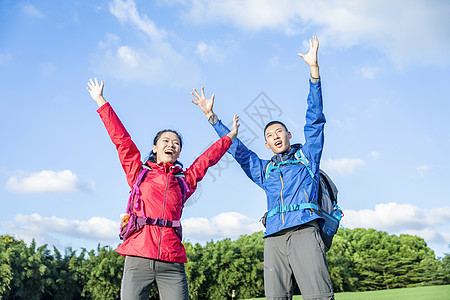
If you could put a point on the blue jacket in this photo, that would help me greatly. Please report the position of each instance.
(291, 184)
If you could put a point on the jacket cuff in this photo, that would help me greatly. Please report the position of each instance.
(104, 106)
(314, 79)
(227, 139)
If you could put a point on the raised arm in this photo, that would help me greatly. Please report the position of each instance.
(315, 119)
(249, 161)
(128, 153)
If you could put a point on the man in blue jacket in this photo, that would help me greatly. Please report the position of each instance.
(293, 245)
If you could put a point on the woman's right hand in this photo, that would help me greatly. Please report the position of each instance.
(205, 104)
(96, 91)
(234, 131)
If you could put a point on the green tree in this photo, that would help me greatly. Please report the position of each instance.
(5, 267)
(446, 269)
(195, 271)
(383, 261)
(31, 275)
(341, 264)
(247, 266)
(218, 268)
(102, 274)
(65, 277)
(226, 265)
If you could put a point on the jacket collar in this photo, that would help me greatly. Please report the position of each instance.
(166, 167)
(287, 155)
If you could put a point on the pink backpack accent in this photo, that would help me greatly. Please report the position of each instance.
(131, 223)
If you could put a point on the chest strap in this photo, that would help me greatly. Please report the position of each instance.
(291, 207)
(158, 222)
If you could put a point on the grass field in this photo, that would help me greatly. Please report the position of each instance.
(439, 292)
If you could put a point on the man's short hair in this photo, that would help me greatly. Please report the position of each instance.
(272, 123)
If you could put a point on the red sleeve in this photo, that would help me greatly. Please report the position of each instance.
(129, 155)
(209, 158)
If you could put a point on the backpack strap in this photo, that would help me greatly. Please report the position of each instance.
(270, 167)
(300, 158)
(183, 185)
(329, 186)
(136, 191)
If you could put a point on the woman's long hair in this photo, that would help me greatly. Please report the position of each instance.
(152, 155)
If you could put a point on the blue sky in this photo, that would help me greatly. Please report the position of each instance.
(385, 76)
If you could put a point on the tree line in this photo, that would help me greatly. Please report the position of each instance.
(359, 260)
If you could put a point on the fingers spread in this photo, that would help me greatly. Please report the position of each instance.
(196, 94)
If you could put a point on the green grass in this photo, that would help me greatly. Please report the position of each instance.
(438, 292)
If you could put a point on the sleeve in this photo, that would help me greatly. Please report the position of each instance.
(129, 155)
(249, 161)
(314, 126)
(207, 159)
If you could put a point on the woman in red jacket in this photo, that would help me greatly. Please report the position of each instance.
(155, 253)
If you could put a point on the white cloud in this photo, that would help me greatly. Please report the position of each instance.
(45, 229)
(402, 31)
(230, 224)
(391, 217)
(128, 56)
(126, 12)
(157, 62)
(342, 166)
(32, 11)
(53, 230)
(250, 14)
(209, 52)
(374, 154)
(369, 72)
(47, 181)
(402, 218)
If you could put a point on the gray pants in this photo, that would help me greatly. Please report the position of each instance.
(139, 274)
(301, 253)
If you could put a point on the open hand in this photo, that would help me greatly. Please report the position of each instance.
(311, 57)
(234, 131)
(96, 91)
(205, 104)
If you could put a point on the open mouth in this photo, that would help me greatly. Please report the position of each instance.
(278, 144)
(169, 152)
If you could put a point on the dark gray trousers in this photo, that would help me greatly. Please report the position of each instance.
(301, 253)
(140, 273)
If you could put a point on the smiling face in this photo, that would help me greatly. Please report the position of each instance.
(277, 138)
(167, 148)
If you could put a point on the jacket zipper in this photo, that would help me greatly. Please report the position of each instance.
(164, 206)
(282, 204)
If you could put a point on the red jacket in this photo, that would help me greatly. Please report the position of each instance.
(161, 192)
